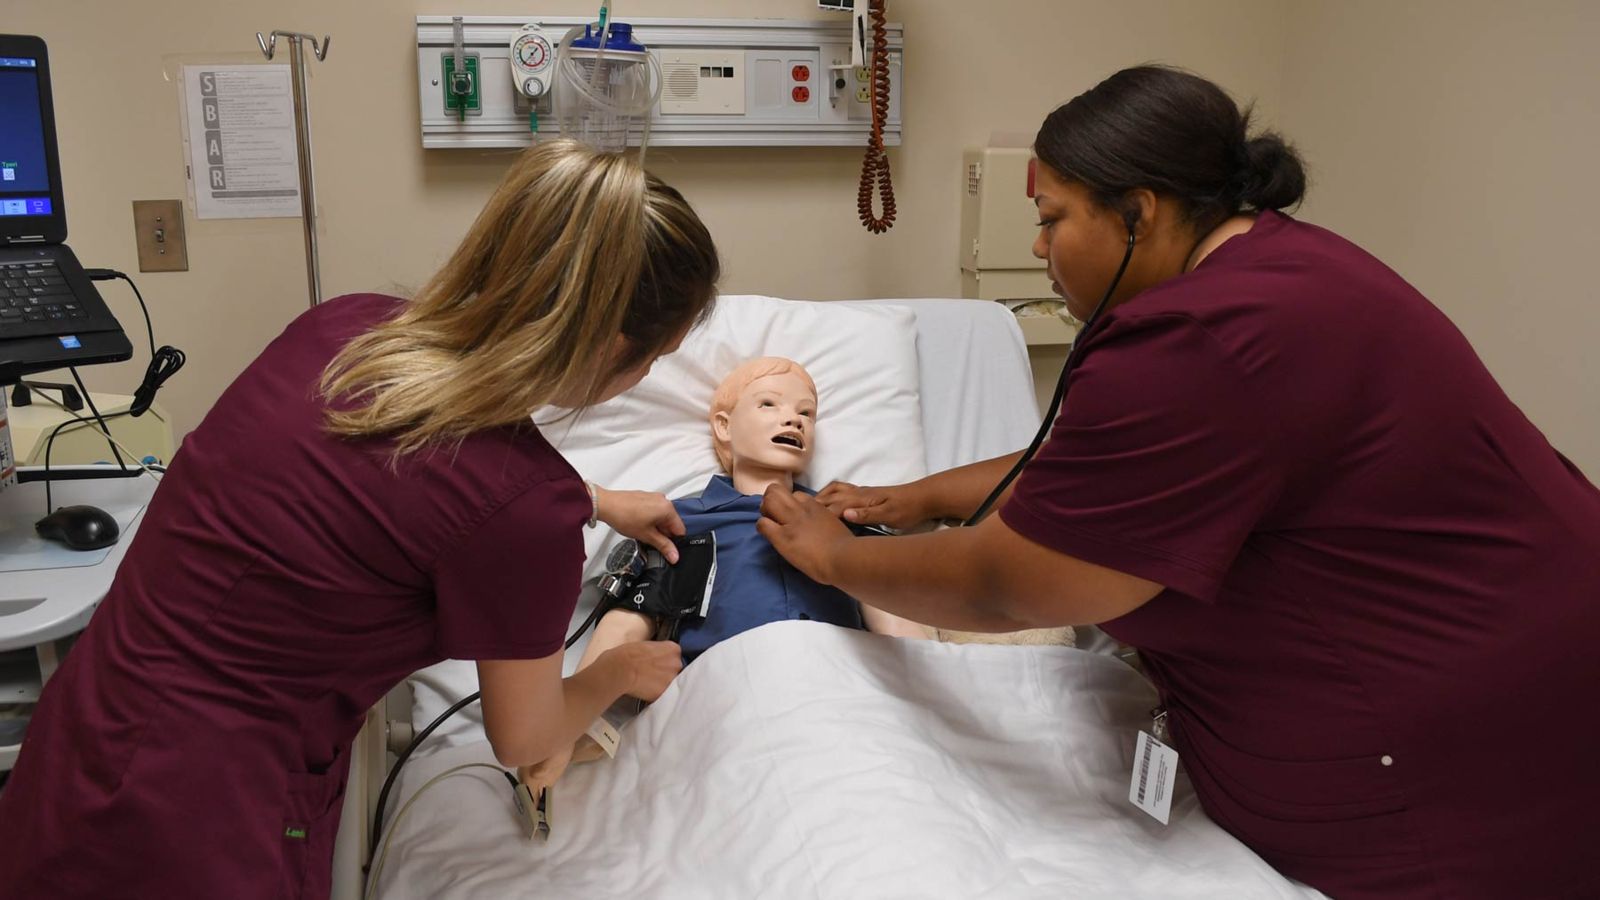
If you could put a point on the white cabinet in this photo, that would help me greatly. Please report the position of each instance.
(998, 227)
(81, 442)
(46, 602)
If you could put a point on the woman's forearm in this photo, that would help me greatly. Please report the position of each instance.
(586, 694)
(941, 578)
(525, 729)
(956, 493)
(617, 627)
(530, 712)
(984, 578)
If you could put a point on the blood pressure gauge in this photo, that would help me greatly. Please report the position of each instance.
(623, 566)
(531, 57)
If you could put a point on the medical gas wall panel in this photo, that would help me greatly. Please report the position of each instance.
(724, 82)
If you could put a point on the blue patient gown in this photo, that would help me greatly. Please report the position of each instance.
(754, 584)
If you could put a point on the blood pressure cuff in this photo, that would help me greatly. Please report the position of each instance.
(670, 593)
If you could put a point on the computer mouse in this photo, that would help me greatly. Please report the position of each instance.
(79, 527)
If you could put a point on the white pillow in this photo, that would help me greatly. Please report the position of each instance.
(657, 437)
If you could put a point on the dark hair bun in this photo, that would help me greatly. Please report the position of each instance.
(1273, 175)
(1174, 133)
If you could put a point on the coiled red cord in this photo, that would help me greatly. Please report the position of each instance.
(875, 166)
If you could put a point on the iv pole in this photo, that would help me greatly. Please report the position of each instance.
(302, 116)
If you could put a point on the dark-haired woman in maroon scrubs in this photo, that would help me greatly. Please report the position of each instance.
(1365, 585)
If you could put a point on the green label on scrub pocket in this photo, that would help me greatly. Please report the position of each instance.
(295, 832)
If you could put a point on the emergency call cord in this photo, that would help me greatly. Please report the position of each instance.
(875, 165)
(1079, 348)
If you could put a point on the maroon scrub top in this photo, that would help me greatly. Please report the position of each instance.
(1379, 643)
(195, 741)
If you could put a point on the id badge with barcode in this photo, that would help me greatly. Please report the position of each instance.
(1155, 772)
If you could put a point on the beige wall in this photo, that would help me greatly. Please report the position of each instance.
(785, 219)
(1414, 120)
(1458, 140)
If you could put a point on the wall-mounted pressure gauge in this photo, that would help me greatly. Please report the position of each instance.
(531, 57)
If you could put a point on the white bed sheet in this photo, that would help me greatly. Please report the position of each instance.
(804, 761)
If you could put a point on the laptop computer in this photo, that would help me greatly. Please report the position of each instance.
(51, 316)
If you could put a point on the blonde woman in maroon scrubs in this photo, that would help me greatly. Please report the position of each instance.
(1364, 584)
(368, 498)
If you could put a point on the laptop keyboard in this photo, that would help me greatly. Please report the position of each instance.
(35, 299)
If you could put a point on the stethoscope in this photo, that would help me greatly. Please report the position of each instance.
(1074, 358)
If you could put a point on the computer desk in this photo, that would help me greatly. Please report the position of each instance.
(41, 609)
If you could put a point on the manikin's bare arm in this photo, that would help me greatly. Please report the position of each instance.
(617, 628)
(887, 623)
(530, 711)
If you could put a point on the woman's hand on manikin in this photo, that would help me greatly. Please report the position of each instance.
(648, 666)
(803, 531)
(645, 516)
(900, 507)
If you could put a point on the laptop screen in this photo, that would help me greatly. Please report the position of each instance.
(24, 165)
(31, 207)
(50, 315)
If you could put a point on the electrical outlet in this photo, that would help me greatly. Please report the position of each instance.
(863, 74)
(158, 235)
(863, 94)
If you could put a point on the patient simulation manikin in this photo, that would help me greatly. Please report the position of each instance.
(763, 427)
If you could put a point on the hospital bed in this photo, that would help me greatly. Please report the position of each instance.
(798, 759)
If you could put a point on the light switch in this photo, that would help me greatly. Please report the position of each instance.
(158, 233)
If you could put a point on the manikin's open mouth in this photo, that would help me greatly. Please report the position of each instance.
(789, 439)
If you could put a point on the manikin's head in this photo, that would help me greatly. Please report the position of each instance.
(763, 419)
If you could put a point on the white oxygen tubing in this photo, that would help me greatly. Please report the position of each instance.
(600, 55)
(590, 92)
(133, 457)
(372, 879)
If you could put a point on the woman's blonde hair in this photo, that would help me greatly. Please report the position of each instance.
(727, 394)
(574, 248)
